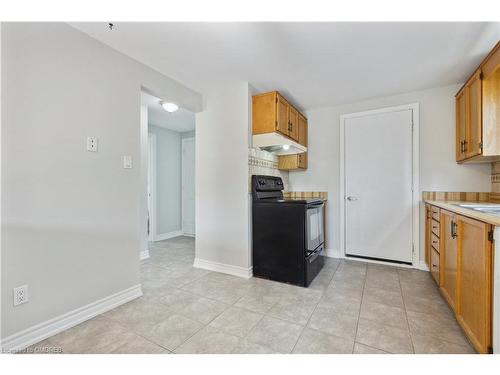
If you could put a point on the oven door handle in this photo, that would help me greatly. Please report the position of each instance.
(311, 257)
(315, 205)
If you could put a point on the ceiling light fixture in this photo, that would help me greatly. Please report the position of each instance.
(169, 107)
(286, 147)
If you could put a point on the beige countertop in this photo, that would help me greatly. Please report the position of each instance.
(482, 216)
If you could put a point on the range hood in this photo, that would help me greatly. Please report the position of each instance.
(277, 144)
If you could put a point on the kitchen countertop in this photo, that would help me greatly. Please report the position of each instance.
(481, 216)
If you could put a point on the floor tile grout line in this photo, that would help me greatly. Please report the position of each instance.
(314, 310)
(359, 313)
(406, 314)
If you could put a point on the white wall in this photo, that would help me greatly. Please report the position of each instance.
(72, 221)
(168, 180)
(438, 169)
(222, 209)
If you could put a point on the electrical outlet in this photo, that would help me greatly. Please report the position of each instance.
(92, 144)
(127, 162)
(20, 295)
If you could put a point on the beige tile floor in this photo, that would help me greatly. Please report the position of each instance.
(351, 307)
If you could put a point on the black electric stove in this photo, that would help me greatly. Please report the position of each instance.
(288, 234)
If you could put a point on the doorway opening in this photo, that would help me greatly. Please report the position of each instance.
(170, 178)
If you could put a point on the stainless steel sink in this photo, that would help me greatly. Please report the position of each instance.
(489, 209)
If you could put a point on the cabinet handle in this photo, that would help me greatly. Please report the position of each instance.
(461, 147)
(434, 242)
(453, 229)
(465, 145)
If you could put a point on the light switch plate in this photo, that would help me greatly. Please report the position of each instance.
(127, 162)
(92, 144)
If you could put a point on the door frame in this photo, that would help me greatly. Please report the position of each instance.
(414, 107)
(152, 171)
(182, 189)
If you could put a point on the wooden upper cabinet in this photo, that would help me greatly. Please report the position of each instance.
(293, 161)
(478, 113)
(294, 124)
(302, 130)
(461, 115)
(474, 140)
(271, 112)
(283, 112)
(449, 257)
(474, 293)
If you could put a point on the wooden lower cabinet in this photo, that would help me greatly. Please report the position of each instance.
(474, 282)
(462, 266)
(428, 246)
(434, 265)
(449, 257)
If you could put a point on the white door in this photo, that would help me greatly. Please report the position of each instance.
(188, 186)
(378, 186)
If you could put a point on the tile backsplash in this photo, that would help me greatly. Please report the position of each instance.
(265, 163)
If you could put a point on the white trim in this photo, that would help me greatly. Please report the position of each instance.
(182, 189)
(381, 262)
(152, 171)
(422, 266)
(337, 254)
(51, 327)
(334, 253)
(414, 107)
(166, 236)
(246, 273)
(144, 255)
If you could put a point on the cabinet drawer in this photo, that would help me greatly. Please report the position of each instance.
(435, 242)
(435, 227)
(435, 265)
(435, 211)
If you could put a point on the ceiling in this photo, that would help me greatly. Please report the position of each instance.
(313, 64)
(180, 121)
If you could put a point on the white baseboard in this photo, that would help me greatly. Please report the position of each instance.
(144, 255)
(422, 266)
(333, 253)
(246, 273)
(166, 236)
(188, 235)
(41, 331)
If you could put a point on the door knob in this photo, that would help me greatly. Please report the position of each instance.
(352, 198)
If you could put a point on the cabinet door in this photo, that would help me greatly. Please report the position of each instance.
(474, 292)
(473, 146)
(302, 130)
(294, 124)
(435, 272)
(449, 257)
(302, 160)
(282, 112)
(461, 124)
(428, 235)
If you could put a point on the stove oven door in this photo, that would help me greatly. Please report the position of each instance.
(314, 227)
